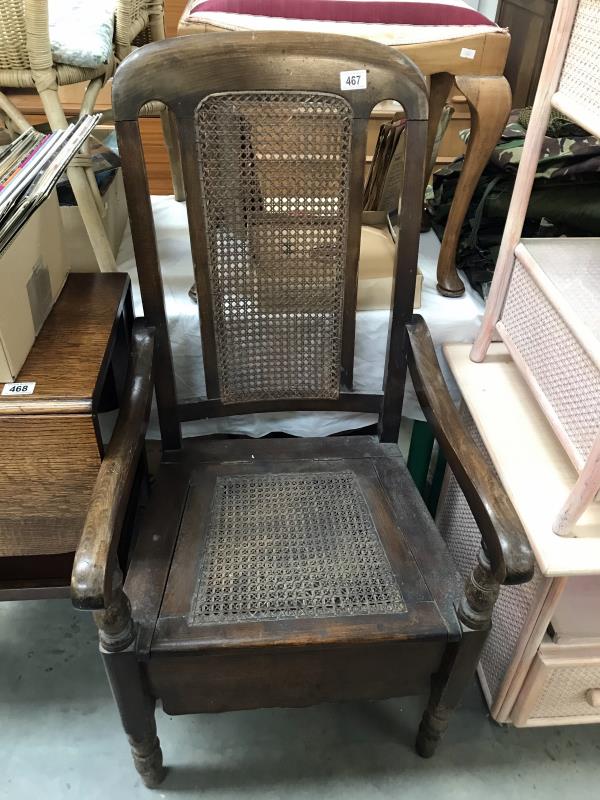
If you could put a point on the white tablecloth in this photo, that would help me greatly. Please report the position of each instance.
(449, 320)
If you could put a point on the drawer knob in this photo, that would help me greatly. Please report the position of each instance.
(593, 697)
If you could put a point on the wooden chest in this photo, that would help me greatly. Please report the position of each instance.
(52, 440)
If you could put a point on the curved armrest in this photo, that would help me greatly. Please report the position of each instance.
(91, 581)
(503, 536)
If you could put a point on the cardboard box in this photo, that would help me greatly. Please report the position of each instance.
(376, 268)
(115, 217)
(32, 273)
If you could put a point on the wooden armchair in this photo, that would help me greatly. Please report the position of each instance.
(281, 572)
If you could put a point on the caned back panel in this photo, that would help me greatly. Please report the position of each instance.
(275, 174)
(273, 154)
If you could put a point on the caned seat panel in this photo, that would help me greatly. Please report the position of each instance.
(273, 550)
(285, 545)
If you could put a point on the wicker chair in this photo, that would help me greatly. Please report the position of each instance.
(26, 61)
(139, 22)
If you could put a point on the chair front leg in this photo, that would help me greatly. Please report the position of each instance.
(12, 117)
(135, 703)
(461, 659)
(78, 179)
(489, 100)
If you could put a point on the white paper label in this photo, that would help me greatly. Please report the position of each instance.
(466, 52)
(18, 389)
(353, 80)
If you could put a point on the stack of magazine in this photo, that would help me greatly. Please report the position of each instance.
(384, 184)
(29, 169)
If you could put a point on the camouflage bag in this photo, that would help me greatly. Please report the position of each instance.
(565, 199)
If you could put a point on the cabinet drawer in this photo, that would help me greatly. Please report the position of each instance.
(562, 687)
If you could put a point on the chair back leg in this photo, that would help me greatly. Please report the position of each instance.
(172, 144)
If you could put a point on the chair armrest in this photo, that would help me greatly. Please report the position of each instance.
(93, 568)
(504, 539)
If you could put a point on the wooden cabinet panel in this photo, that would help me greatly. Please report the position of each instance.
(173, 11)
(49, 467)
(529, 23)
(50, 441)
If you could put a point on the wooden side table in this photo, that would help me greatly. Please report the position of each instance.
(52, 441)
(541, 663)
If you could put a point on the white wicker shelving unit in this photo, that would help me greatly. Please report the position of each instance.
(545, 298)
(532, 401)
(564, 595)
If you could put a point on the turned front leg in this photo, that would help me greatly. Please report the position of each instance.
(127, 681)
(461, 658)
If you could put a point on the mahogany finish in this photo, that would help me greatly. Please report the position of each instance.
(154, 641)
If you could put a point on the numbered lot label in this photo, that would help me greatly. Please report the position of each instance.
(353, 80)
(18, 389)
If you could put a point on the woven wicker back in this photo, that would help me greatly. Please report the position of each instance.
(13, 41)
(275, 173)
(131, 18)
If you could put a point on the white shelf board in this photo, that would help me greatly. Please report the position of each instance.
(531, 463)
(573, 266)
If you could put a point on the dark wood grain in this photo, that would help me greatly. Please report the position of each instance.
(222, 451)
(151, 558)
(68, 359)
(529, 23)
(153, 644)
(150, 278)
(403, 285)
(505, 540)
(246, 62)
(229, 681)
(357, 160)
(347, 401)
(49, 468)
(91, 583)
(174, 630)
(422, 536)
(251, 61)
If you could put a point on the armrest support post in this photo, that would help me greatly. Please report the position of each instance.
(481, 593)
